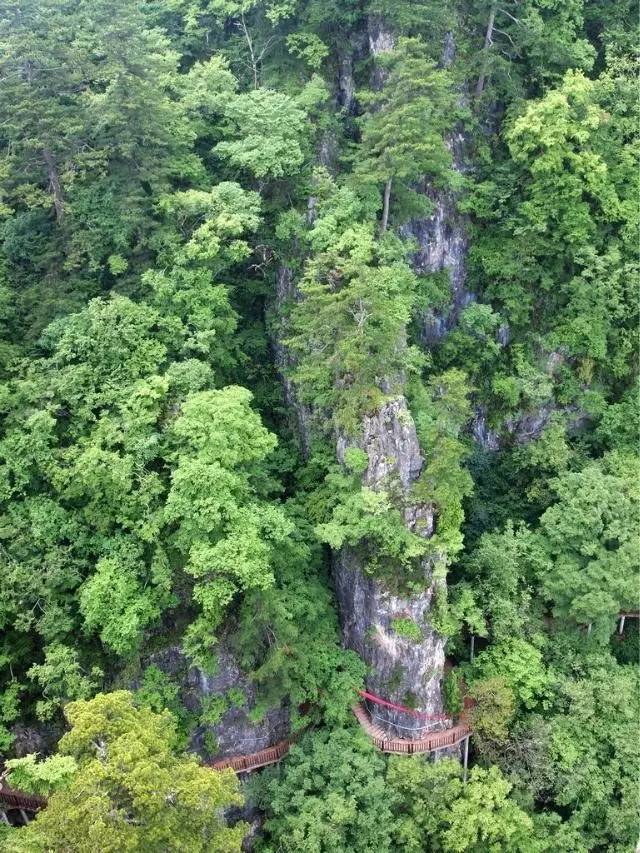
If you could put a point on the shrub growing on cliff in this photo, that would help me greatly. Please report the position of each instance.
(407, 628)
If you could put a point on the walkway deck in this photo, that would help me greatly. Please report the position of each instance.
(14, 799)
(247, 763)
(429, 743)
(18, 807)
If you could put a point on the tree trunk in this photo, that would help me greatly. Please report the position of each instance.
(488, 41)
(54, 184)
(385, 208)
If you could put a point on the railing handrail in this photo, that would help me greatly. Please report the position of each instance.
(433, 741)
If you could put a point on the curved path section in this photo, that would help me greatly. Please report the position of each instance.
(428, 743)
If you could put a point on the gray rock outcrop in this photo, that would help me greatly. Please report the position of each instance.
(442, 237)
(401, 669)
(235, 733)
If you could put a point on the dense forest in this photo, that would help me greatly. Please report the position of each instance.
(318, 375)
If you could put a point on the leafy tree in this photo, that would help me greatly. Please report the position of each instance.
(594, 756)
(288, 638)
(526, 45)
(9, 704)
(441, 413)
(590, 535)
(41, 777)
(403, 130)
(565, 220)
(372, 522)
(503, 572)
(331, 796)
(269, 129)
(119, 421)
(114, 491)
(62, 679)
(357, 300)
(422, 793)
(130, 791)
(491, 714)
(160, 692)
(95, 136)
(435, 810)
(226, 535)
(166, 168)
(484, 818)
(520, 665)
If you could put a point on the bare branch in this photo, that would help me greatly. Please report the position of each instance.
(509, 15)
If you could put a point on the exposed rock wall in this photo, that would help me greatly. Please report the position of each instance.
(381, 38)
(442, 246)
(235, 733)
(41, 739)
(528, 424)
(442, 237)
(400, 669)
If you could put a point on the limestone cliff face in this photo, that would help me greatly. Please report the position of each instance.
(400, 669)
(442, 237)
(235, 733)
(528, 424)
(381, 38)
(442, 247)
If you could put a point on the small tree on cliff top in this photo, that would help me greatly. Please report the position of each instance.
(403, 131)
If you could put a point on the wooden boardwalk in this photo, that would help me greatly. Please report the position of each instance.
(430, 742)
(17, 803)
(15, 799)
(247, 763)
(402, 746)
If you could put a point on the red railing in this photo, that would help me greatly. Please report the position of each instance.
(420, 715)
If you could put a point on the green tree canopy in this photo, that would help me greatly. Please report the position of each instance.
(403, 132)
(591, 534)
(130, 791)
(331, 797)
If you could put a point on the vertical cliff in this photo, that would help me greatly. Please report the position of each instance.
(442, 244)
(401, 669)
(232, 730)
(441, 237)
(405, 667)
(286, 293)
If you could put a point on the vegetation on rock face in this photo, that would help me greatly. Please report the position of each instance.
(165, 168)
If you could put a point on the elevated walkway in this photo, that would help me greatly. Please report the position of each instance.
(255, 760)
(17, 807)
(429, 742)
